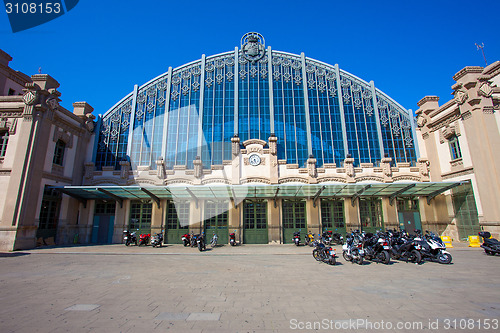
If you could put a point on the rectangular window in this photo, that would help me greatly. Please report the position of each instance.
(455, 148)
(140, 216)
(177, 215)
(4, 139)
(59, 152)
(105, 208)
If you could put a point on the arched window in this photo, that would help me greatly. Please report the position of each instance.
(4, 139)
(59, 152)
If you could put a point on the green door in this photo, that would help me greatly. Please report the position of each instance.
(294, 219)
(332, 216)
(177, 222)
(216, 217)
(370, 213)
(255, 222)
(140, 218)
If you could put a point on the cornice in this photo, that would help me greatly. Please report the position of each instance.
(15, 76)
(468, 70)
(427, 99)
(458, 173)
(443, 107)
(490, 71)
(254, 141)
(449, 118)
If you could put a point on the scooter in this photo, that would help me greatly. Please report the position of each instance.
(491, 246)
(352, 250)
(157, 240)
(186, 239)
(432, 247)
(129, 237)
(144, 239)
(296, 238)
(232, 238)
(213, 241)
(403, 247)
(309, 239)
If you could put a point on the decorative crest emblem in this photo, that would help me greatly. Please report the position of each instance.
(253, 46)
(29, 97)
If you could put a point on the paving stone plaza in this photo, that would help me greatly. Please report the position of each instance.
(249, 288)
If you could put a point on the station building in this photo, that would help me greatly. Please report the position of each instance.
(254, 140)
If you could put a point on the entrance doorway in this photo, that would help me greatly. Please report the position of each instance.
(370, 215)
(465, 209)
(140, 217)
(104, 221)
(49, 215)
(216, 218)
(294, 219)
(177, 222)
(255, 222)
(332, 216)
(409, 215)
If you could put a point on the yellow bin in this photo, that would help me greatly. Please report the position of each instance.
(474, 241)
(447, 241)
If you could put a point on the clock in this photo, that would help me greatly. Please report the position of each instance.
(254, 159)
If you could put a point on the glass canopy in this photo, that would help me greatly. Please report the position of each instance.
(241, 192)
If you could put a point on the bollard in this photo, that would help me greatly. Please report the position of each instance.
(447, 241)
(474, 241)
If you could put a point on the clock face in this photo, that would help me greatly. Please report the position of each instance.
(254, 159)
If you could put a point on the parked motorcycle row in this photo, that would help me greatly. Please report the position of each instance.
(381, 247)
(356, 247)
(192, 239)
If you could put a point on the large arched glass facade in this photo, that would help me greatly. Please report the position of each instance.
(311, 107)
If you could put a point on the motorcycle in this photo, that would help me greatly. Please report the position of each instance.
(186, 239)
(213, 241)
(232, 238)
(157, 240)
(324, 253)
(403, 247)
(309, 239)
(352, 250)
(432, 247)
(377, 248)
(193, 237)
(296, 238)
(491, 246)
(129, 237)
(144, 239)
(337, 238)
(200, 241)
(327, 237)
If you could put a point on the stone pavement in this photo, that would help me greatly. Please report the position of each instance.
(250, 288)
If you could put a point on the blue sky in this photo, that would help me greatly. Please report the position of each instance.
(410, 49)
